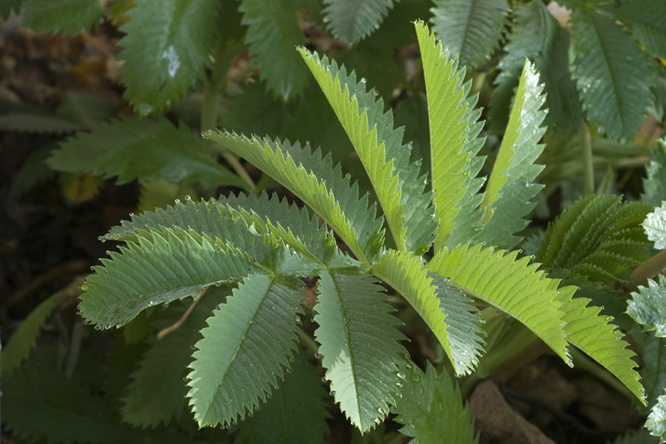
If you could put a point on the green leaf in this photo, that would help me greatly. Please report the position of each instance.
(453, 142)
(166, 50)
(470, 30)
(656, 422)
(510, 188)
(43, 404)
(653, 359)
(353, 20)
(655, 226)
(395, 180)
(7, 6)
(314, 180)
(359, 345)
(511, 285)
(27, 122)
(61, 15)
(646, 19)
(243, 351)
(273, 32)
(431, 409)
(296, 414)
(647, 306)
(122, 147)
(157, 391)
(33, 171)
(160, 268)
(654, 186)
(611, 74)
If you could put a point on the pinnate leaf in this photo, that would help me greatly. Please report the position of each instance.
(353, 20)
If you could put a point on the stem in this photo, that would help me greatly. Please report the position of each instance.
(588, 163)
(308, 342)
(74, 348)
(182, 319)
(649, 269)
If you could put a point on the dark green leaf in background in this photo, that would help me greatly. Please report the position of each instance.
(352, 20)
(61, 15)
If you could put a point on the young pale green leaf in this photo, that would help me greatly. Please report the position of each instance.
(453, 142)
(166, 50)
(510, 188)
(159, 268)
(646, 19)
(63, 15)
(322, 187)
(647, 306)
(511, 285)
(359, 345)
(248, 341)
(655, 226)
(427, 293)
(273, 32)
(395, 180)
(122, 147)
(431, 409)
(611, 74)
(353, 20)
(296, 413)
(157, 391)
(654, 186)
(656, 422)
(470, 30)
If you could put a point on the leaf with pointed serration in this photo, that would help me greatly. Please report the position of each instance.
(453, 142)
(359, 346)
(166, 50)
(68, 16)
(647, 306)
(353, 20)
(611, 74)
(593, 333)
(511, 285)
(431, 409)
(427, 293)
(157, 391)
(296, 413)
(471, 30)
(314, 180)
(654, 186)
(653, 358)
(273, 32)
(646, 19)
(655, 226)
(396, 181)
(510, 188)
(160, 267)
(43, 405)
(121, 148)
(240, 359)
(656, 421)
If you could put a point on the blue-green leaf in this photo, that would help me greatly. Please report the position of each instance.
(647, 306)
(655, 226)
(656, 422)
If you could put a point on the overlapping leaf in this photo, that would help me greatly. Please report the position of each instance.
(654, 186)
(244, 350)
(656, 422)
(395, 180)
(647, 306)
(353, 20)
(653, 358)
(611, 74)
(166, 50)
(453, 141)
(63, 15)
(646, 19)
(512, 286)
(273, 32)
(431, 409)
(655, 226)
(359, 345)
(122, 147)
(470, 30)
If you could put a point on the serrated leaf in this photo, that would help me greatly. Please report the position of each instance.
(611, 74)
(33, 171)
(470, 30)
(25, 122)
(511, 285)
(239, 360)
(43, 404)
(395, 180)
(359, 345)
(273, 32)
(655, 226)
(510, 188)
(166, 50)
(314, 180)
(453, 142)
(653, 358)
(654, 186)
(122, 147)
(656, 421)
(296, 413)
(157, 391)
(163, 267)
(7, 6)
(62, 15)
(646, 19)
(431, 409)
(647, 306)
(353, 20)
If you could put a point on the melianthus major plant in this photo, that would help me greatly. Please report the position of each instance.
(436, 239)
